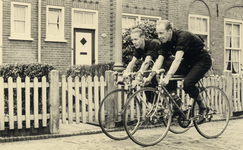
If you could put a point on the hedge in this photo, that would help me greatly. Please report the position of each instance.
(22, 70)
(86, 70)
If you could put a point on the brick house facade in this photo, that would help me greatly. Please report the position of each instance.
(66, 26)
(222, 14)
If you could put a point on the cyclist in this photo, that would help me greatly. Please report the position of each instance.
(146, 49)
(188, 49)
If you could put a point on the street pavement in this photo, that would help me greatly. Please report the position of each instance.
(231, 139)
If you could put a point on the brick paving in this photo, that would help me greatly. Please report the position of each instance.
(90, 137)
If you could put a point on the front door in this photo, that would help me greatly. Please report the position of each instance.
(83, 47)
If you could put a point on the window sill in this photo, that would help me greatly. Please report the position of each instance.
(20, 39)
(56, 40)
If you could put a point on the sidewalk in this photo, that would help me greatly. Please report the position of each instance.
(65, 130)
(79, 129)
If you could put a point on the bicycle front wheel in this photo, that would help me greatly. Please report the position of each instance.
(218, 116)
(143, 119)
(110, 119)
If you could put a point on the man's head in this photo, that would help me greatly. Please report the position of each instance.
(164, 30)
(137, 37)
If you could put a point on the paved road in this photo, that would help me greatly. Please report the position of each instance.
(231, 139)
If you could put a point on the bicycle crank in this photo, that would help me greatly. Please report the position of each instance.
(182, 121)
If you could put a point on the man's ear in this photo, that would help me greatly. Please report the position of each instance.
(143, 36)
(170, 30)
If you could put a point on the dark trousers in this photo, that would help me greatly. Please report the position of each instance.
(193, 72)
(196, 71)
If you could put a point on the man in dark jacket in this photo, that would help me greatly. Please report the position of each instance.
(188, 49)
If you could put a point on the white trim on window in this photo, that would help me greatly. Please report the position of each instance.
(233, 48)
(199, 31)
(56, 34)
(138, 18)
(201, 18)
(18, 33)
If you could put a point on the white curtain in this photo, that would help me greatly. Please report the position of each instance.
(54, 22)
(236, 42)
(88, 18)
(131, 22)
(192, 23)
(235, 60)
(204, 25)
(227, 60)
(236, 29)
(78, 17)
(19, 18)
(228, 29)
(198, 24)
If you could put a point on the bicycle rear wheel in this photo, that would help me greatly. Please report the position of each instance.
(143, 121)
(110, 119)
(218, 116)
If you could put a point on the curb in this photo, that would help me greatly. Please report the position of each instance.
(45, 136)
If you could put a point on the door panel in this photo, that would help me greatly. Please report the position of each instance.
(83, 47)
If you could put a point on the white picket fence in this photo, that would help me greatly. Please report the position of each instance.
(77, 107)
(19, 117)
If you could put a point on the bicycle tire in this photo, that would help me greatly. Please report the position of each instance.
(143, 124)
(112, 123)
(218, 116)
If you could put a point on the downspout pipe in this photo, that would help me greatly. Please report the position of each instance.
(39, 31)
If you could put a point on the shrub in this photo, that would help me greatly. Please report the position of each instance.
(127, 45)
(86, 70)
(22, 70)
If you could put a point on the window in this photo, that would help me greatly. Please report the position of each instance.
(84, 18)
(55, 24)
(232, 46)
(199, 25)
(129, 20)
(20, 21)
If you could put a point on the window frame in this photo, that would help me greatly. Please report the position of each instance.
(198, 32)
(139, 17)
(24, 36)
(238, 22)
(61, 37)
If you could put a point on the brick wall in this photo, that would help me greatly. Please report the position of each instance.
(106, 26)
(14, 50)
(178, 14)
(59, 54)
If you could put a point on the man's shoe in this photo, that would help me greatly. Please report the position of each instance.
(202, 112)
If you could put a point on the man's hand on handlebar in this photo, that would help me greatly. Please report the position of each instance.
(164, 81)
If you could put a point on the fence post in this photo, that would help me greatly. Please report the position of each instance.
(54, 101)
(229, 87)
(111, 104)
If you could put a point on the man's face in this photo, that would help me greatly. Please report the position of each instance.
(137, 40)
(163, 34)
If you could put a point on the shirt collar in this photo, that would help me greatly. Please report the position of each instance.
(173, 39)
